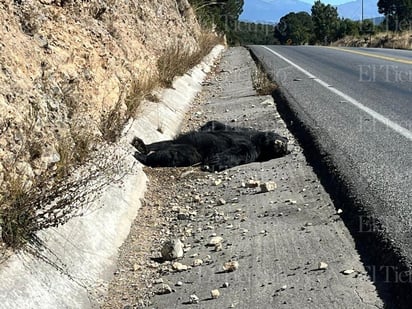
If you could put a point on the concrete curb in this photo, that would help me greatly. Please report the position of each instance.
(86, 247)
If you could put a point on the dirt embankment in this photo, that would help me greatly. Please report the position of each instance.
(66, 65)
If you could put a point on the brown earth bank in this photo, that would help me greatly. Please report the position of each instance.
(67, 71)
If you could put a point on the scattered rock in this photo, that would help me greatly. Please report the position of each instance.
(322, 265)
(215, 294)
(163, 289)
(179, 283)
(268, 186)
(284, 287)
(231, 266)
(217, 182)
(339, 211)
(158, 281)
(136, 267)
(172, 249)
(179, 266)
(214, 241)
(197, 262)
(225, 285)
(185, 215)
(348, 271)
(221, 202)
(253, 184)
(193, 299)
(218, 247)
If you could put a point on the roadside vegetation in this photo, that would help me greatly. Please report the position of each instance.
(261, 82)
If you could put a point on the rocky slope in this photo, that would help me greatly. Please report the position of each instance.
(65, 65)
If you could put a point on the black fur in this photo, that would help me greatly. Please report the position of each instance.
(216, 146)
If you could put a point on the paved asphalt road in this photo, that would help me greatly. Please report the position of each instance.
(357, 102)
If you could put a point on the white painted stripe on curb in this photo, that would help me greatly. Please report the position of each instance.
(387, 122)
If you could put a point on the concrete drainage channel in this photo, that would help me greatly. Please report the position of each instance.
(386, 267)
(81, 255)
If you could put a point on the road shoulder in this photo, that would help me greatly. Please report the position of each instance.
(287, 247)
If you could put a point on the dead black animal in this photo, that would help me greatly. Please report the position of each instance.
(215, 146)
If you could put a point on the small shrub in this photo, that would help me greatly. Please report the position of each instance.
(141, 89)
(261, 82)
(15, 215)
(65, 150)
(83, 142)
(112, 123)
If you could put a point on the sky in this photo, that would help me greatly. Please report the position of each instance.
(333, 2)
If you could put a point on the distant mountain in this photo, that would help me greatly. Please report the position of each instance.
(353, 9)
(273, 10)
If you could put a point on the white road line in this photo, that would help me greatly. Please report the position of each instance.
(387, 122)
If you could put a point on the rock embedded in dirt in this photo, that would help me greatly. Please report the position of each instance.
(172, 250)
(322, 265)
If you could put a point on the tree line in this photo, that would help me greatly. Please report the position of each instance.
(323, 25)
(222, 15)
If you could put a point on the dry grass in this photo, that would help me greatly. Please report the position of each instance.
(140, 90)
(66, 162)
(396, 40)
(112, 123)
(15, 213)
(83, 143)
(261, 82)
(177, 60)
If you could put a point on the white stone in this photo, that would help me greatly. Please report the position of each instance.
(172, 249)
